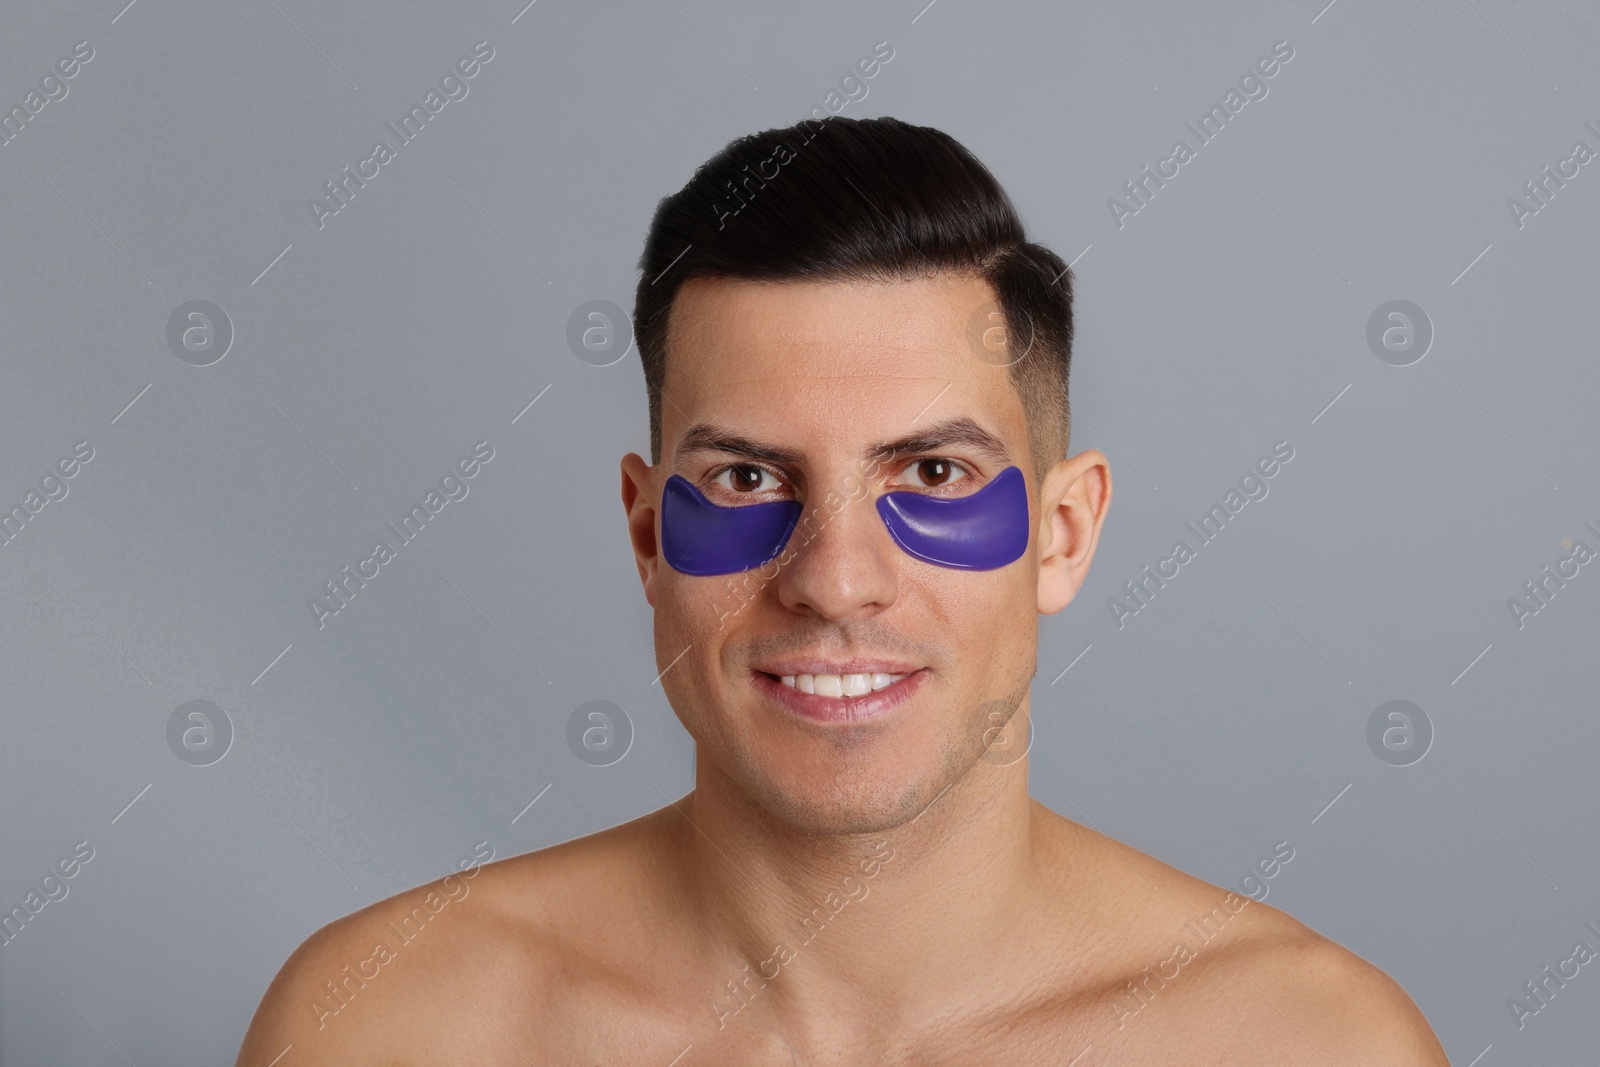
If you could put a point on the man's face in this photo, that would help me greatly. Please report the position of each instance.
(788, 391)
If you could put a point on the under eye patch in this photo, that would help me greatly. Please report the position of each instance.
(979, 532)
(701, 538)
(983, 531)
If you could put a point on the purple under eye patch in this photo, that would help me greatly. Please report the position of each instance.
(983, 531)
(980, 532)
(701, 538)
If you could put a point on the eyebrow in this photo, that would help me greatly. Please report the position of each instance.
(962, 430)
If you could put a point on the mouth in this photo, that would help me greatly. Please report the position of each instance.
(847, 696)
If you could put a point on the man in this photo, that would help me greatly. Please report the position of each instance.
(857, 506)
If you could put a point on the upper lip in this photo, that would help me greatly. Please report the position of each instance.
(796, 665)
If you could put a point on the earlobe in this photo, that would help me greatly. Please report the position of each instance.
(1073, 502)
(638, 503)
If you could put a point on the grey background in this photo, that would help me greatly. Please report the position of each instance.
(1225, 316)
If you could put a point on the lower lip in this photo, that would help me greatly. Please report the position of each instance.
(864, 708)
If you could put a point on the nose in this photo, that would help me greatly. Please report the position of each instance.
(842, 561)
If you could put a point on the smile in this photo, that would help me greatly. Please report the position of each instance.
(840, 685)
(853, 697)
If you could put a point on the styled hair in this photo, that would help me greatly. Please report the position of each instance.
(872, 199)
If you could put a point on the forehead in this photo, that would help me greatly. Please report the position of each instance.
(843, 361)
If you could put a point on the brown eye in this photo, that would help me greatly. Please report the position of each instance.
(936, 473)
(745, 479)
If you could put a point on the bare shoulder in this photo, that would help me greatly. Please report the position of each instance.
(351, 992)
(1332, 1006)
(465, 967)
(1264, 983)
(1218, 976)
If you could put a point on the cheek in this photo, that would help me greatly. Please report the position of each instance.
(682, 621)
(992, 625)
(692, 607)
(978, 609)
(688, 642)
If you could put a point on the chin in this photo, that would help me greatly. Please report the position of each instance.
(833, 819)
(859, 806)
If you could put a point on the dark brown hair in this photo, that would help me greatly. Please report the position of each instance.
(861, 199)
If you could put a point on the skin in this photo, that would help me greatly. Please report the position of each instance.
(953, 920)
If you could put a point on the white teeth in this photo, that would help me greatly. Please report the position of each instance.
(841, 685)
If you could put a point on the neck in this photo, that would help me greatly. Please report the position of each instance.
(804, 922)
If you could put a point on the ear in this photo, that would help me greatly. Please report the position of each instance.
(1073, 501)
(639, 502)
